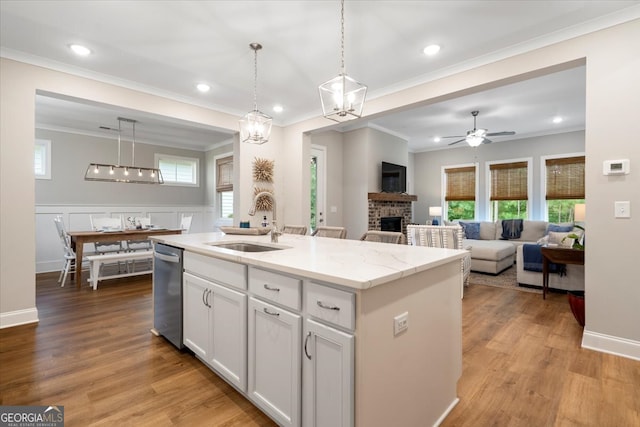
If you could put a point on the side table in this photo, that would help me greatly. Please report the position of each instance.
(558, 255)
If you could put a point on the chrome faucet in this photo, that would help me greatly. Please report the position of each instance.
(274, 225)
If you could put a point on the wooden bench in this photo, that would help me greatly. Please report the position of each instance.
(96, 262)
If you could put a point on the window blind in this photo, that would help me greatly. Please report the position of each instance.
(224, 168)
(565, 178)
(509, 181)
(461, 184)
(178, 170)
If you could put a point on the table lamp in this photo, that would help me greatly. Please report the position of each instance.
(435, 212)
(579, 210)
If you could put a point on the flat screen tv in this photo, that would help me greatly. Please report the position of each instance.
(394, 178)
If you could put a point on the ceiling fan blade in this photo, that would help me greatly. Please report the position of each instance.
(501, 133)
(455, 136)
(460, 140)
(487, 141)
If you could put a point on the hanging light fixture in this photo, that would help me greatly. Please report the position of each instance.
(255, 126)
(342, 97)
(128, 174)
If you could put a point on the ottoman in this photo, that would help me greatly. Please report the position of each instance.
(490, 256)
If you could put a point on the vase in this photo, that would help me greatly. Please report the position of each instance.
(576, 302)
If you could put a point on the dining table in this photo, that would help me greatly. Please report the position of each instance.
(79, 238)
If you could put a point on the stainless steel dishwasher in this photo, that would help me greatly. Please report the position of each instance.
(167, 293)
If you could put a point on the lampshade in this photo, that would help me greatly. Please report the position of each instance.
(579, 211)
(255, 126)
(435, 210)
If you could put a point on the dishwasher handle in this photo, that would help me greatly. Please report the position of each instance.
(167, 257)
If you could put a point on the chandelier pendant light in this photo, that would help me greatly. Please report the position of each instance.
(127, 174)
(255, 126)
(342, 97)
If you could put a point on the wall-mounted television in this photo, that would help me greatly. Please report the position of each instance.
(394, 178)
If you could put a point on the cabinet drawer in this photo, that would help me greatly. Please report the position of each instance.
(275, 287)
(331, 305)
(217, 270)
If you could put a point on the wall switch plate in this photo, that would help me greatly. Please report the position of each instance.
(401, 323)
(623, 209)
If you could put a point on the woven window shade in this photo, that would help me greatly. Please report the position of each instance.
(565, 178)
(224, 168)
(461, 184)
(509, 181)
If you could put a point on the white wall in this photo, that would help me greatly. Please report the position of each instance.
(428, 168)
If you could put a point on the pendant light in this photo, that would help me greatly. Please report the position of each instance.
(127, 174)
(342, 97)
(255, 126)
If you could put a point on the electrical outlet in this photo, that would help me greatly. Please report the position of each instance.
(623, 209)
(401, 323)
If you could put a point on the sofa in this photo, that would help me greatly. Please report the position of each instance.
(491, 253)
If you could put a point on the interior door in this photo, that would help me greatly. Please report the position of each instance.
(318, 186)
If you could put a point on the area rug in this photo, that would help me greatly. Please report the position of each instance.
(505, 280)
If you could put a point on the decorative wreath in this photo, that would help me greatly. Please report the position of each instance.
(262, 170)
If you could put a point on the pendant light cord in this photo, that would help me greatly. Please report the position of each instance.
(255, 78)
(342, 37)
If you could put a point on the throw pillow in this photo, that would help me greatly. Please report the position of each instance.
(560, 228)
(471, 230)
(556, 238)
(511, 229)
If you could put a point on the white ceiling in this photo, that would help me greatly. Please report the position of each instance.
(166, 47)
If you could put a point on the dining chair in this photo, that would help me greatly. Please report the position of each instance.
(383, 236)
(69, 254)
(327, 231)
(442, 236)
(294, 229)
(185, 223)
(108, 223)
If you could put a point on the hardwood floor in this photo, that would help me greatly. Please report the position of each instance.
(93, 353)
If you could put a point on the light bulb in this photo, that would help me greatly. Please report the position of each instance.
(153, 174)
(96, 170)
(126, 171)
(111, 171)
(139, 172)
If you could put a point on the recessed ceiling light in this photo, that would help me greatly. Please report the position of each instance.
(203, 87)
(436, 139)
(80, 50)
(431, 49)
(278, 108)
(557, 119)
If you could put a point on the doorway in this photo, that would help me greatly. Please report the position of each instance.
(318, 187)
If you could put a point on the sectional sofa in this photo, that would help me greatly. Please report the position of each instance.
(491, 253)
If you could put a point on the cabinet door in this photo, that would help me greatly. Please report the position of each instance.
(228, 340)
(274, 361)
(328, 376)
(195, 316)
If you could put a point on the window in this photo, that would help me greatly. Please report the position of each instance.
(224, 186)
(460, 192)
(564, 180)
(42, 159)
(509, 190)
(178, 170)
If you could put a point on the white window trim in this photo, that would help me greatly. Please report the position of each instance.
(47, 146)
(158, 157)
(220, 221)
(487, 177)
(543, 179)
(443, 189)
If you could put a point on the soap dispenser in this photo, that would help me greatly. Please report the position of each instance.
(265, 223)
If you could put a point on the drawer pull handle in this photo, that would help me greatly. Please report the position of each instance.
(328, 307)
(271, 313)
(269, 288)
(306, 340)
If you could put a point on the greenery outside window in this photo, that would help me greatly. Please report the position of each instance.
(509, 197)
(460, 192)
(42, 159)
(564, 179)
(224, 186)
(176, 170)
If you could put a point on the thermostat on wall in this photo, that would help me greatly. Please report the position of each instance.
(615, 167)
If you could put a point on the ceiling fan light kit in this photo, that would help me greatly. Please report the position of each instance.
(477, 136)
(342, 97)
(255, 126)
(119, 173)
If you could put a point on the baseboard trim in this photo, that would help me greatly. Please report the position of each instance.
(609, 344)
(18, 317)
(447, 411)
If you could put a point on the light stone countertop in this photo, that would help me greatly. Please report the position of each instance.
(351, 263)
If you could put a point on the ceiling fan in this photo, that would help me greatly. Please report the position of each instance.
(476, 136)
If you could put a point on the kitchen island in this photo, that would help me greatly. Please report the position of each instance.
(326, 331)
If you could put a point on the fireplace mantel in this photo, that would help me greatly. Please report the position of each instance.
(393, 197)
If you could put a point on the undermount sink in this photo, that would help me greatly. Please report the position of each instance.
(245, 247)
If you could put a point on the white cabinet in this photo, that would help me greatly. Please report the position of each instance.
(274, 361)
(328, 375)
(215, 327)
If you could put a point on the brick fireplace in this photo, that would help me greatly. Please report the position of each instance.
(389, 205)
